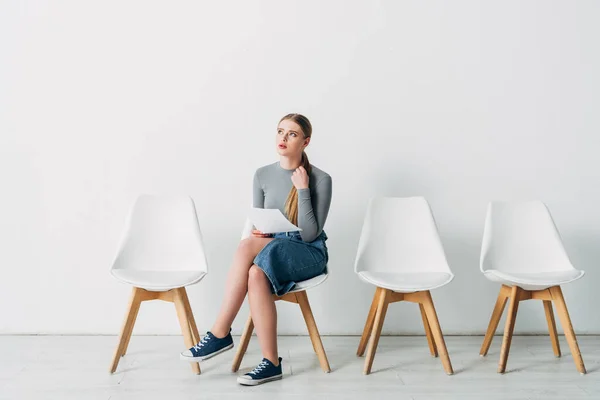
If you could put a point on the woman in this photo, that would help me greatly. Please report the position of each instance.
(265, 264)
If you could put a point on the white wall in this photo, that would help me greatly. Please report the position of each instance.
(462, 102)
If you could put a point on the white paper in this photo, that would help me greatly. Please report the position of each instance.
(269, 220)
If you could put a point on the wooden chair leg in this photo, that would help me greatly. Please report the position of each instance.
(190, 315)
(552, 327)
(132, 311)
(436, 330)
(245, 339)
(430, 340)
(312, 330)
(135, 312)
(493, 325)
(565, 321)
(184, 323)
(364, 339)
(509, 327)
(382, 305)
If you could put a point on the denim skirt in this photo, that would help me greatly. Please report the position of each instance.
(288, 259)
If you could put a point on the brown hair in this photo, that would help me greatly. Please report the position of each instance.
(291, 203)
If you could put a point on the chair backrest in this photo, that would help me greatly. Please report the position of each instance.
(522, 237)
(162, 234)
(400, 235)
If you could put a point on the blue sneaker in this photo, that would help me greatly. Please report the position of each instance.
(208, 347)
(263, 373)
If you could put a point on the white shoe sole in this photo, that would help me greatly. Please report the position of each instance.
(196, 359)
(253, 382)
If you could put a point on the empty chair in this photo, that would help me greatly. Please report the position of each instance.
(400, 252)
(160, 253)
(296, 295)
(523, 251)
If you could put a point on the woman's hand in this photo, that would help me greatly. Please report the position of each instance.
(300, 178)
(257, 233)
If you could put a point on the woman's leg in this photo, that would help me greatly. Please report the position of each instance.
(237, 283)
(264, 313)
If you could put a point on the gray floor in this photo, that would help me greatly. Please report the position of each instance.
(75, 367)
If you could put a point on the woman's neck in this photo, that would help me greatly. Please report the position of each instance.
(290, 162)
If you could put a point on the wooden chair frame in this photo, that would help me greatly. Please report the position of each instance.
(381, 300)
(516, 295)
(176, 296)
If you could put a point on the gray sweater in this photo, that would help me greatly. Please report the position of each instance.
(272, 184)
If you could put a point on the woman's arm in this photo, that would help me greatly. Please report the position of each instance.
(258, 201)
(258, 195)
(312, 219)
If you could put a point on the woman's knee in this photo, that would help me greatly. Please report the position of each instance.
(245, 244)
(246, 249)
(252, 246)
(256, 276)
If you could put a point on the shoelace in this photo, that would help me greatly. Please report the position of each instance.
(259, 368)
(201, 343)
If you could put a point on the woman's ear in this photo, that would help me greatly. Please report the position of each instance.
(306, 141)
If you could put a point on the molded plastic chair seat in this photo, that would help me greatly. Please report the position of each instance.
(158, 280)
(533, 280)
(309, 283)
(406, 282)
(522, 247)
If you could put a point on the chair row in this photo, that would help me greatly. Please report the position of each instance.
(399, 252)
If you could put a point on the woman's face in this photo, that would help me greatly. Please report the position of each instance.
(290, 140)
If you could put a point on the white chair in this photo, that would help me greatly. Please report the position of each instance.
(400, 252)
(523, 251)
(160, 253)
(298, 296)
